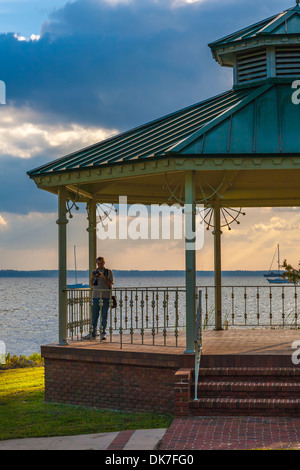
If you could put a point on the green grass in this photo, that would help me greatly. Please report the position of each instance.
(19, 362)
(24, 413)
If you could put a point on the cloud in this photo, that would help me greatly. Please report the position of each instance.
(181, 3)
(23, 227)
(34, 235)
(33, 37)
(113, 65)
(120, 64)
(3, 223)
(96, 67)
(252, 244)
(28, 140)
(23, 135)
(276, 224)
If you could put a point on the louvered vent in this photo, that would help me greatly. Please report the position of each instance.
(288, 62)
(252, 66)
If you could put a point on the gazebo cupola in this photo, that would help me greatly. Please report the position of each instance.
(266, 51)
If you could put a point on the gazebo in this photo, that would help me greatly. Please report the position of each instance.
(238, 149)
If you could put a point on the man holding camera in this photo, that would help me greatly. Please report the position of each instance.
(101, 281)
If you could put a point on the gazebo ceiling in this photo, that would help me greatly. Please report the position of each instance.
(269, 183)
(244, 145)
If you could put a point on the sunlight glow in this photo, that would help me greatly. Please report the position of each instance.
(3, 222)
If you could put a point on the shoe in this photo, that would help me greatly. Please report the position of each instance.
(88, 336)
(103, 336)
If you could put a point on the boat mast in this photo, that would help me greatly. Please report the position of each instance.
(278, 258)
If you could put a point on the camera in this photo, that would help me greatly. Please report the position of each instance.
(96, 277)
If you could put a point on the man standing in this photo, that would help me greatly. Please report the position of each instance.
(101, 281)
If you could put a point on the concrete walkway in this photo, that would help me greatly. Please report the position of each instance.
(124, 440)
(199, 433)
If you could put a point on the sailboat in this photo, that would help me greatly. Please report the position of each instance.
(273, 276)
(76, 285)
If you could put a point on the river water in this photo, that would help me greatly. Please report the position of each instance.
(29, 306)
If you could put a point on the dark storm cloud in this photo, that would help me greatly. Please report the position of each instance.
(120, 66)
(18, 194)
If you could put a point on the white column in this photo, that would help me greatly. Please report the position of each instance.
(62, 265)
(92, 231)
(190, 256)
(218, 267)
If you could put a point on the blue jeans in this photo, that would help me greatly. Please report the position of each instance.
(96, 312)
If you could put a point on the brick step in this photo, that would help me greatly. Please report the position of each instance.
(243, 374)
(248, 389)
(247, 406)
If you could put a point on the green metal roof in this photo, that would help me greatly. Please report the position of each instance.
(284, 23)
(149, 140)
(253, 121)
(266, 122)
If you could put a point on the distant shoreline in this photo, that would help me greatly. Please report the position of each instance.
(123, 273)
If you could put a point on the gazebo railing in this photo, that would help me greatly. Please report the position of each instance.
(145, 315)
(155, 315)
(254, 306)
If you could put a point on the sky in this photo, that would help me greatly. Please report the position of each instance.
(77, 72)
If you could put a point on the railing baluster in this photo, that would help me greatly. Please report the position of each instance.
(142, 312)
(296, 307)
(258, 305)
(109, 318)
(153, 317)
(147, 311)
(167, 300)
(176, 317)
(232, 305)
(126, 309)
(271, 296)
(121, 320)
(283, 310)
(70, 314)
(165, 320)
(81, 314)
(245, 313)
(157, 312)
(100, 317)
(131, 318)
(206, 305)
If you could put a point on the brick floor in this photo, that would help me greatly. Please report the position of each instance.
(234, 341)
(120, 440)
(232, 433)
